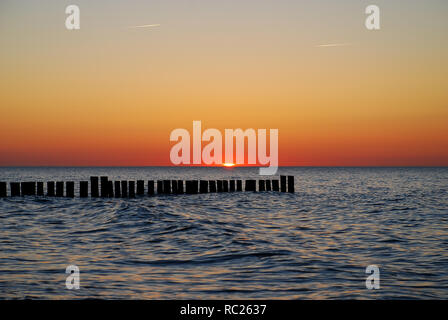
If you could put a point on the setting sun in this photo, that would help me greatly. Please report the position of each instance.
(228, 164)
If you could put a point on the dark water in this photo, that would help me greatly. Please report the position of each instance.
(315, 243)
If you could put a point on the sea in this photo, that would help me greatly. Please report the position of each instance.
(316, 243)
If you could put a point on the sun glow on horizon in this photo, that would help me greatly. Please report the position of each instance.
(228, 165)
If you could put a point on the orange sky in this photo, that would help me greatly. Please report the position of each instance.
(111, 95)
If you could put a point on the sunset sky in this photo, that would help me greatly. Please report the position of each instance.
(110, 94)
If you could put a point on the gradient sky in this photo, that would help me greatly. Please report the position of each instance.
(109, 94)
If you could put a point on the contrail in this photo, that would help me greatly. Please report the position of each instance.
(145, 26)
(333, 45)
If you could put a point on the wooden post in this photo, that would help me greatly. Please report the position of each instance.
(188, 187)
(291, 184)
(192, 186)
(232, 186)
(131, 189)
(124, 189)
(117, 189)
(251, 185)
(167, 186)
(261, 185)
(151, 187)
(195, 184)
(94, 193)
(283, 183)
(110, 189)
(50, 189)
(83, 189)
(220, 185)
(59, 188)
(174, 186)
(140, 187)
(225, 186)
(159, 186)
(70, 189)
(23, 191)
(104, 187)
(3, 191)
(212, 184)
(15, 189)
(268, 185)
(203, 186)
(180, 186)
(40, 188)
(32, 186)
(275, 185)
(239, 185)
(28, 188)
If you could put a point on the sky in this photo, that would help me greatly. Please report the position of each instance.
(110, 93)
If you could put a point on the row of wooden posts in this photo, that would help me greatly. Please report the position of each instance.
(126, 189)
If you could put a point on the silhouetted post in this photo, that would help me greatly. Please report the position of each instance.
(268, 185)
(140, 187)
(151, 187)
(239, 185)
(28, 188)
(124, 189)
(192, 186)
(50, 189)
(84, 189)
(195, 186)
(203, 186)
(251, 185)
(131, 189)
(70, 189)
(94, 193)
(212, 184)
(232, 186)
(117, 189)
(167, 186)
(15, 189)
(23, 190)
(40, 188)
(275, 185)
(220, 185)
(188, 187)
(291, 184)
(261, 185)
(159, 186)
(3, 191)
(283, 183)
(32, 186)
(104, 187)
(225, 186)
(59, 188)
(110, 189)
(180, 186)
(174, 186)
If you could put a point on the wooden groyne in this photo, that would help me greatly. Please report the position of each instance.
(102, 187)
